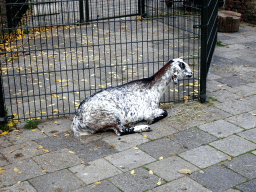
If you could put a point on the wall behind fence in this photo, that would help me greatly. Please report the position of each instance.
(64, 51)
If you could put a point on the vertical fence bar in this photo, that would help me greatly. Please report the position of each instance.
(86, 10)
(81, 10)
(2, 103)
(208, 41)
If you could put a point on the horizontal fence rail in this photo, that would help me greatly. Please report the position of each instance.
(64, 51)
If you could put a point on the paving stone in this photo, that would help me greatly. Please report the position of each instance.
(254, 152)
(245, 120)
(129, 159)
(244, 164)
(62, 181)
(140, 181)
(224, 95)
(103, 187)
(51, 127)
(231, 190)
(192, 138)
(233, 81)
(243, 91)
(213, 113)
(215, 85)
(4, 142)
(95, 171)
(249, 134)
(249, 186)
(233, 145)
(28, 168)
(181, 185)
(24, 135)
(126, 141)
(217, 178)
(235, 106)
(162, 148)
(23, 186)
(3, 160)
(220, 128)
(57, 160)
(203, 156)
(21, 151)
(87, 151)
(168, 168)
(160, 129)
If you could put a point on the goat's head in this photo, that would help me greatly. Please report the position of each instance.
(180, 70)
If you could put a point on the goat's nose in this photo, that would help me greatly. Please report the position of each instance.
(189, 75)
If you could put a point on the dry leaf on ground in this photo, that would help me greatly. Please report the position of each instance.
(1, 171)
(185, 171)
(16, 170)
(161, 158)
(132, 172)
(150, 172)
(97, 182)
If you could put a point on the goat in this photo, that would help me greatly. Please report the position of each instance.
(116, 107)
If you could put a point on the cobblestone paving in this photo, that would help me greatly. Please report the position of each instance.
(214, 142)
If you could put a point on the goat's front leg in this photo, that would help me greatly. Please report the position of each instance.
(157, 115)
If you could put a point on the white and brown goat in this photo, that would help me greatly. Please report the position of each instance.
(116, 107)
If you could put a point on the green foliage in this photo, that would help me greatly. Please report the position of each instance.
(4, 127)
(219, 43)
(32, 124)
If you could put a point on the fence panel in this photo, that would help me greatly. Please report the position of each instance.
(52, 61)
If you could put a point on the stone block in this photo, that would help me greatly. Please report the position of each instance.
(95, 171)
(220, 128)
(204, 156)
(233, 145)
(217, 178)
(162, 148)
(141, 180)
(129, 159)
(63, 181)
(168, 168)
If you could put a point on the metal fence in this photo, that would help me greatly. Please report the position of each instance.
(63, 51)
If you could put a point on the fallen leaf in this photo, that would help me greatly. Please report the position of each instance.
(66, 135)
(145, 136)
(65, 85)
(112, 146)
(4, 133)
(42, 131)
(10, 124)
(186, 97)
(1, 171)
(229, 158)
(246, 65)
(71, 152)
(185, 171)
(135, 148)
(18, 182)
(254, 114)
(16, 170)
(55, 135)
(40, 147)
(132, 172)
(150, 172)
(97, 182)
(43, 171)
(33, 130)
(159, 183)
(56, 122)
(45, 150)
(161, 158)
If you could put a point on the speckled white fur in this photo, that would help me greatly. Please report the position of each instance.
(135, 101)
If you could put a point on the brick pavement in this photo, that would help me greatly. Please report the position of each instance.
(216, 141)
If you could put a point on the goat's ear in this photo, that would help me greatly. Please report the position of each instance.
(182, 65)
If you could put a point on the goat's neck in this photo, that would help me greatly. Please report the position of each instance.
(163, 77)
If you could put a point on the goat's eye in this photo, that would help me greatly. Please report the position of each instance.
(182, 65)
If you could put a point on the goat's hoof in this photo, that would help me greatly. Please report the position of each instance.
(141, 128)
